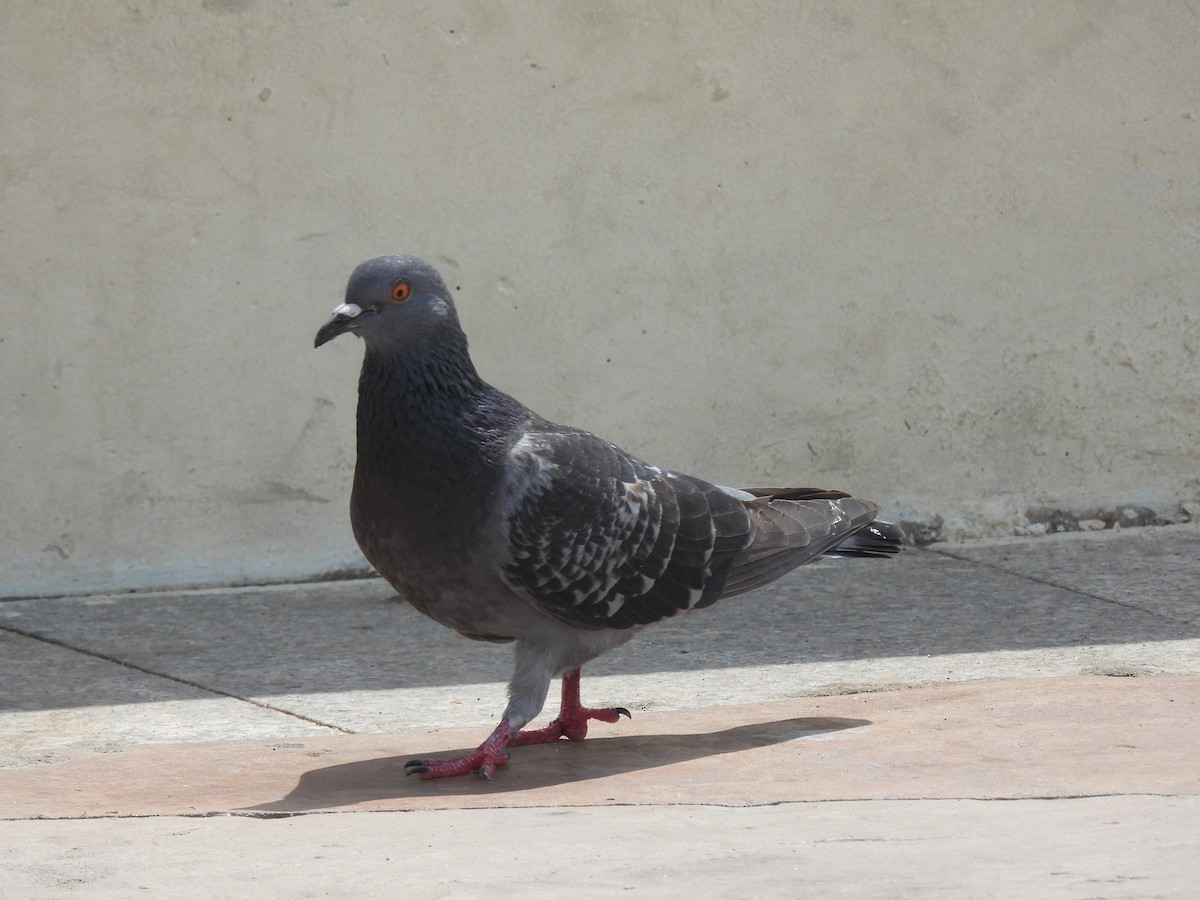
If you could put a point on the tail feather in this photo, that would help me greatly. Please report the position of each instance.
(789, 533)
(878, 540)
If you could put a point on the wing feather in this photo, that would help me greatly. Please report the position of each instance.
(599, 539)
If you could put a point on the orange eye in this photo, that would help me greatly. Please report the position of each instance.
(400, 291)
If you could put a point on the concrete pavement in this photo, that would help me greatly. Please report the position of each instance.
(998, 718)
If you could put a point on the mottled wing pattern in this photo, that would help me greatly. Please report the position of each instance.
(599, 539)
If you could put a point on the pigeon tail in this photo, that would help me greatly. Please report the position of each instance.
(792, 532)
(879, 540)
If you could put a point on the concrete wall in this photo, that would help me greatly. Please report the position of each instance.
(944, 255)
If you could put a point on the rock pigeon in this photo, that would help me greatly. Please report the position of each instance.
(506, 527)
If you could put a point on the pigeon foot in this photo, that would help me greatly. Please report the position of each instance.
(573, 727)
(571, 723)
(572, 719)
(486, 759)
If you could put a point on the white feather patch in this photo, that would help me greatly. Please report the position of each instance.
(736, 492)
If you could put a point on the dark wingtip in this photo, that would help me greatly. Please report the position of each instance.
(878, 540)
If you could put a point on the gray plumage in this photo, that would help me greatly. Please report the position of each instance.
(507, 527)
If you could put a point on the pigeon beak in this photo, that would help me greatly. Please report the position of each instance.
(341, 321)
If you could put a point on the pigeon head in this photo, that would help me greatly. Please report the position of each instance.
(392, 301)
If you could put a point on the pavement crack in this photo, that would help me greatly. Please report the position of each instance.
(1047, 582)
(146, 670)
(268, 815)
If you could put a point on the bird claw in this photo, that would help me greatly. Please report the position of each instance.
(485, 761)
(430, 769)
(608, 714)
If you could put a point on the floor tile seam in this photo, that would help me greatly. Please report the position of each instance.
(177, 679)
(157, 593)
(1046, 582)
(484, 807)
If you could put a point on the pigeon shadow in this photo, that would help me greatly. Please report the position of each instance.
(539, 765)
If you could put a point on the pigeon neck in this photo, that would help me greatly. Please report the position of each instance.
(428, 425)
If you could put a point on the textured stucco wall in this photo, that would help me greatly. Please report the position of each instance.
(944, 255)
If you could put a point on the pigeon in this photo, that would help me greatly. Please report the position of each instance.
(506, 527)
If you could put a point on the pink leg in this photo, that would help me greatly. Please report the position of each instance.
(572, 717)
(490, 755)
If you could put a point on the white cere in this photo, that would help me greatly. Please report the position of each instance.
(349, 310)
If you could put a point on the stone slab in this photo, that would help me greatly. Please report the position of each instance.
(1098, 847)
(1049, 737)
(54, 700)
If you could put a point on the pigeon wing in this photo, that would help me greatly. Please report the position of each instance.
(599, 539)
